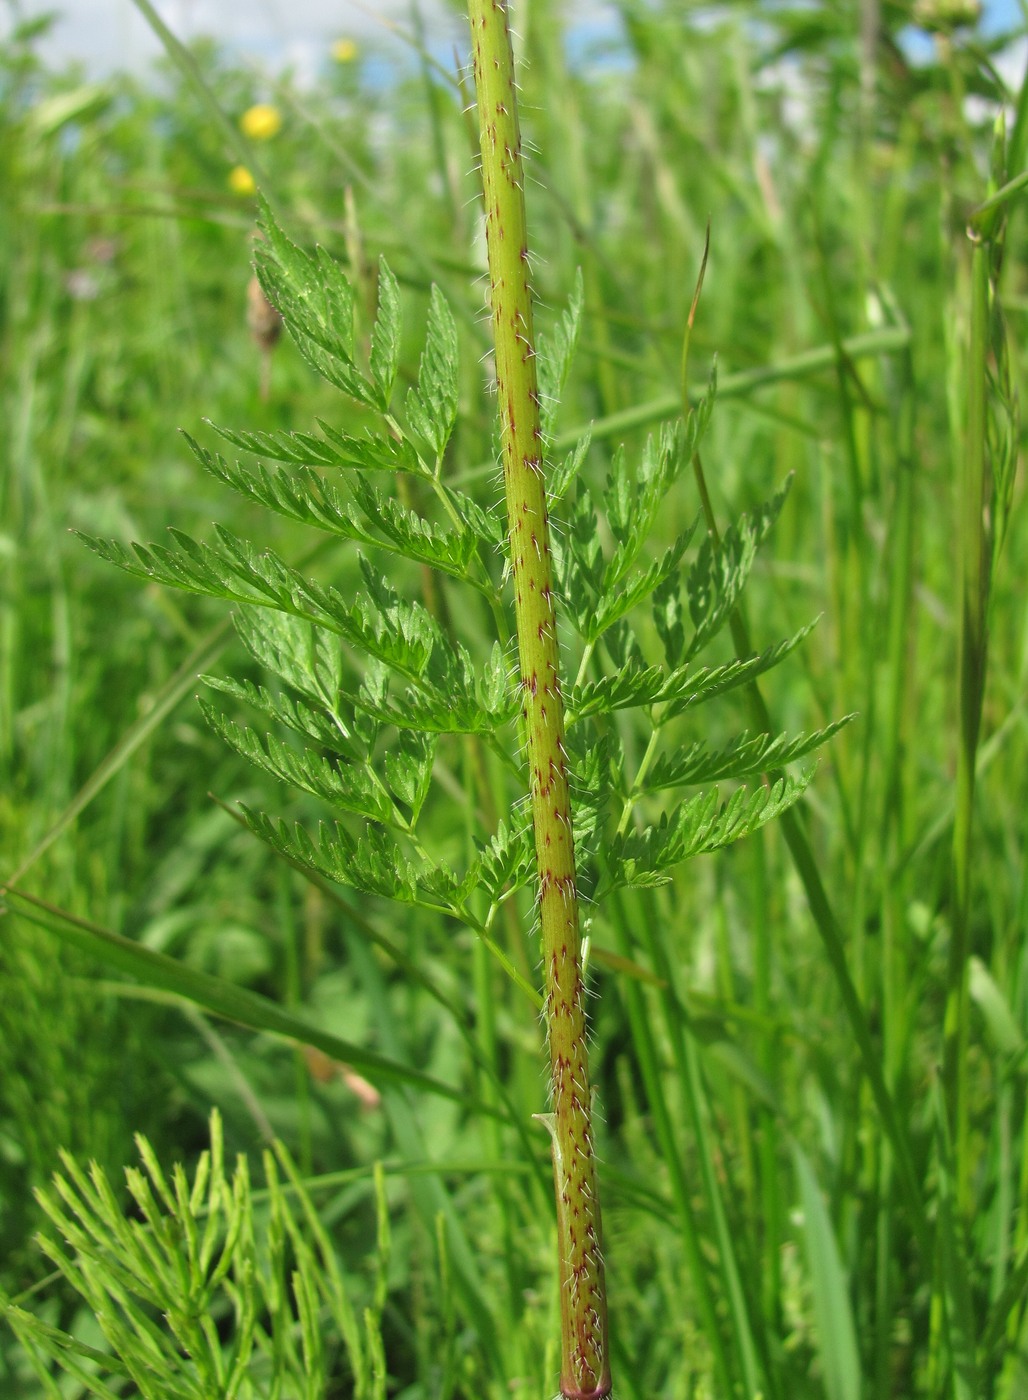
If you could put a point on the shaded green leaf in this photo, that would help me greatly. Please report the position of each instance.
(306, 657)
(619, 599)
(372, 863)
(999, 1019)
(561, 475)
(285, 710)
(408, 768)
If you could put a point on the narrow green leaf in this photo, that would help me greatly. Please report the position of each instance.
(836, 1335)
(220, 997)
(170, 694)
(953, 1281)
(1000, 1021)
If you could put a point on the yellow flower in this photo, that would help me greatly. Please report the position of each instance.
(262, 122)
(344, 50)
(241, 181)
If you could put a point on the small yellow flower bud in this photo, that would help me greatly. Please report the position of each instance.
(240, 180)
(344, 51)
(262, 122)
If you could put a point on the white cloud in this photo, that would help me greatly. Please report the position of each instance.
(105, 35)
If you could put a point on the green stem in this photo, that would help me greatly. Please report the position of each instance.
(973, 585)
(585, 1362)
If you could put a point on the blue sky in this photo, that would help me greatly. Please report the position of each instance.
(109, 34)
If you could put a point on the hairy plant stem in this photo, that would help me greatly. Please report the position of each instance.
(585, 1364)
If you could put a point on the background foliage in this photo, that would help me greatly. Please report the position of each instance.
(754, 1227)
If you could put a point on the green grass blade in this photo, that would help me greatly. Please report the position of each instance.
(219, 996)
(836, 1332)
(175, 688)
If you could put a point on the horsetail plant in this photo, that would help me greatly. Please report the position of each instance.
(370, 693)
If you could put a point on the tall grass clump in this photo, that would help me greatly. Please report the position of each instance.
(404, 919)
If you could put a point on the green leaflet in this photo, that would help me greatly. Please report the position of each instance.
(696, 826)
(561, 474)
(554, 355)
(384, 358)
(348, 718)
(507, 862)
(621, 596)
(302, 494)
(715, 581)
(631, 505)
(432, 405)
(637, 684)
(373, 863)
(377, 623)
(744, 756)
(335, 449)
(316, 302)
(597, 592)
(286, 711)
(408, 768)
(305, 657)
(350, 786)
